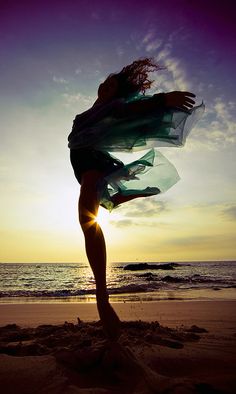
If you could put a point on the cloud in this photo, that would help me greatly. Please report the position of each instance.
(164, 53)
(120, 50)
(153, 45)
(216, 129)
(150, 212)
(150, 41)
(146, 208)
(176, 68)
(148, 36)
(80, 99)
(176, 77)
(143, 213)
(122, 223)
(178, 34)
(220, 210)
(208, 243)
(59, 80)
(144, 222)
(224, 115)
(78, 71)
(229, 212)
(189, 240)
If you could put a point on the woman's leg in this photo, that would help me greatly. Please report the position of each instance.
(96, 249)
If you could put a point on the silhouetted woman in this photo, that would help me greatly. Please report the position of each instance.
(123, 119)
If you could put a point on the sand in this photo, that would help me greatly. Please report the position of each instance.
(165, 347)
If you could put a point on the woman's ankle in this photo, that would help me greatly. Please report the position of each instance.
(102, 297)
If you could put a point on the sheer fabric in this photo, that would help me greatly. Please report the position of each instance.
(110, 128)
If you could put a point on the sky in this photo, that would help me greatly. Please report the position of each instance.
(54, 55)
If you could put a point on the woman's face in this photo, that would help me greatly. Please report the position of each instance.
(108, 89)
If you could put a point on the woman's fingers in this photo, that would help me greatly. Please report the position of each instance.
(182, 107)
(190, 101)
(188, 104)
(181, 100)
(185, 107)
(189, 94)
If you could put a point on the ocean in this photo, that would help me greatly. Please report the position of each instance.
(74, 282)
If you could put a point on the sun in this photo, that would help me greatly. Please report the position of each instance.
(103, 217)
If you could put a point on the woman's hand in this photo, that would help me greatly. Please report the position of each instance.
(179, 100)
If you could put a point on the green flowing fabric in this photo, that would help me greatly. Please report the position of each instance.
(101, 129)
(136, 177)
(111, 128)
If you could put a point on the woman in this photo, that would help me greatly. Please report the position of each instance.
(122, 119)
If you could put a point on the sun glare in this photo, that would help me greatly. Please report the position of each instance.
(103, 217)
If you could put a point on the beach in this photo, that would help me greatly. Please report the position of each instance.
(165, 346)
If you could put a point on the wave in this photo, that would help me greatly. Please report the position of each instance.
(130, 288)
(199, 279)
(47, 293)
(196, 278)
(167, 283)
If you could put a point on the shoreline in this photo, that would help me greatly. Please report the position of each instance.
(183, 295)
(172, 313)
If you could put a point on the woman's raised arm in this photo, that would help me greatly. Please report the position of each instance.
(180, 100)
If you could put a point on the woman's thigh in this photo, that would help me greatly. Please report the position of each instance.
(89, 196)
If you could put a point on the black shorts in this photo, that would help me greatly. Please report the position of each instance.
(83, 160)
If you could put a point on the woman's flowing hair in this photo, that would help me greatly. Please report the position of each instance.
(134, 77)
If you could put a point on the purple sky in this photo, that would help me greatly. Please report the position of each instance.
(41, 38)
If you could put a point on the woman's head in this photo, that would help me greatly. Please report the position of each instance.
(108, 89)
(130, 80)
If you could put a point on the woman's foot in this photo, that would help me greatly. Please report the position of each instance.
(128, 195)
(149, 191)
(110, 320)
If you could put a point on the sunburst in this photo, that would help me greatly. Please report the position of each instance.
(103, 217)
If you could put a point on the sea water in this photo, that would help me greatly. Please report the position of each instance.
(74, 282)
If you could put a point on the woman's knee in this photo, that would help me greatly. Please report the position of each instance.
(88, 209)
(86, 218)
(89, 199)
